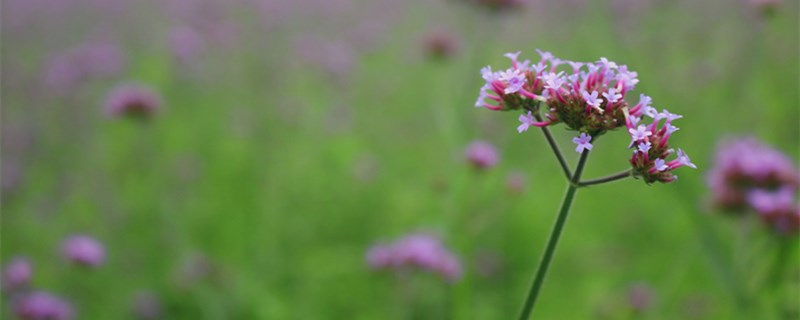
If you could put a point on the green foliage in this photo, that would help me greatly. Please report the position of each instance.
(281, 175)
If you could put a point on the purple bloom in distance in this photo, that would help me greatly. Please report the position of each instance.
(83, 250)
(17, 274)
(421, 251)
(41, 306)
(133, 100)
(482, 154)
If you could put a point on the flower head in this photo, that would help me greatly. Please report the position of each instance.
(83, 250)
(482, 155)
(146, 305)
(42, 305)
(742, 165)
(132, 100)
(589, 98)
(17, 274)
(416, 251)
(440, 45)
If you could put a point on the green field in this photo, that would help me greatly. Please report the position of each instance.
(299, 134)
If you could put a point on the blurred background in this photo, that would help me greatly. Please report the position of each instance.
(244, 159)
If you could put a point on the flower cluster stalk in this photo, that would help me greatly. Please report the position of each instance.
(589, 98)
(530, 301)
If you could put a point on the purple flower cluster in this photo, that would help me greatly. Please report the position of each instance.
(588, 97)
(17, 274)
(420, 251)
(649, 143)
(41, 306)
(132, 100)
(83, 250)
(440, 45)
(481, 154)
(751, 175)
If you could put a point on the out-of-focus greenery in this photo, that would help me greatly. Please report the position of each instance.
(258, 188)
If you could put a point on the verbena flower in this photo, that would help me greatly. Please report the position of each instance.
(640, 297)
(482, 154)
(83, 250)
(588, 97)
(515, 182)
(17, 274)
(132, 100)
(146, 305)
(440, 44)
(744, 164)
(41, 306)
(416, 251)
(750, 176)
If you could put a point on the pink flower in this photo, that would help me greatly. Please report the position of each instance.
(416, 251)
(41, 306)
(83, 250)
(482, 155)
(17, 274)
(146, 305)
(744, 164)
(132, 100)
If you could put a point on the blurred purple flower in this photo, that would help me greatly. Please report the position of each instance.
(42, 306)
(17, 274)
(83, 250)
(488, 263)
(132, 100)
(744, 164)
(777, 208)
(146, 305)
(440, 45)
(640, 297)
(515, 182)
(421, 251)
(186, 43)
(482, 154)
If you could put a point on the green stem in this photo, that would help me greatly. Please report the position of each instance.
(530, 301)
(613, 177)
(555, 148)
(724, 266)
(773, 283)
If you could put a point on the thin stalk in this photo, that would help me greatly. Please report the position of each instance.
(556, 150)
(530, 301)
(613, 177)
